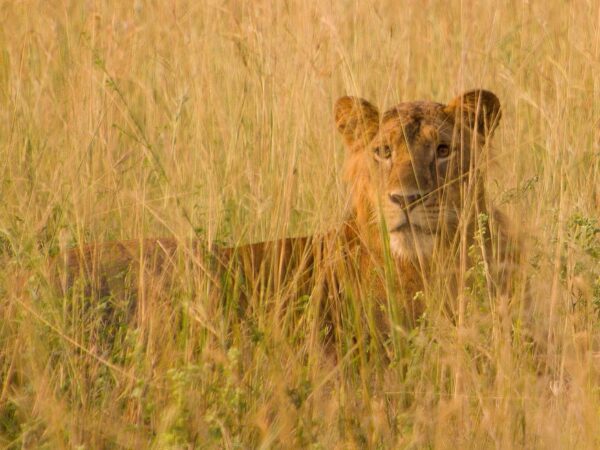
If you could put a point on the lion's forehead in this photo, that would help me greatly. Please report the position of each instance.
(415, 111)
(414, 122)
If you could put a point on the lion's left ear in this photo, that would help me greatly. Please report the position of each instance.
(357, 120)
(480, 108)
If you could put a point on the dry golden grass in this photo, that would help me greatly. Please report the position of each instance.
(131, 119)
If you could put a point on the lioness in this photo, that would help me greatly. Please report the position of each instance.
(415, 178)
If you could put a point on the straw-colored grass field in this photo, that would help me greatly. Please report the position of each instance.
(213, 120)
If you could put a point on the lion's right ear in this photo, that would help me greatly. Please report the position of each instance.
(357, 120)
(480, 108)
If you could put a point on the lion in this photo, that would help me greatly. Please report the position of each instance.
(415, 177)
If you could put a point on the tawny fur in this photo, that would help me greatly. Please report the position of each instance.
(390, 157)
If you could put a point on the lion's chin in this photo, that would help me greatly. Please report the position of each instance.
(412, 245)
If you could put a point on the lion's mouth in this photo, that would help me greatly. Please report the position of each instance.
(410, 227)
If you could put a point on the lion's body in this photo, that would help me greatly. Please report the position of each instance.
(324, 267)
(416, 185)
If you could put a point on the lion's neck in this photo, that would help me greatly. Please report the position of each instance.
(376, 244)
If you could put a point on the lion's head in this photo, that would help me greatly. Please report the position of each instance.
(413, 166)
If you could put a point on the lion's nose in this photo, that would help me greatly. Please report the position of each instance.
(405, 201)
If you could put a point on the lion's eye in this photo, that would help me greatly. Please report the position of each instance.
(443, 151)
(383, 152)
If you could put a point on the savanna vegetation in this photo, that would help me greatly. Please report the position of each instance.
(212, 121)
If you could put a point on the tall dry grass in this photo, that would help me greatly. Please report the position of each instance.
(131, 119)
